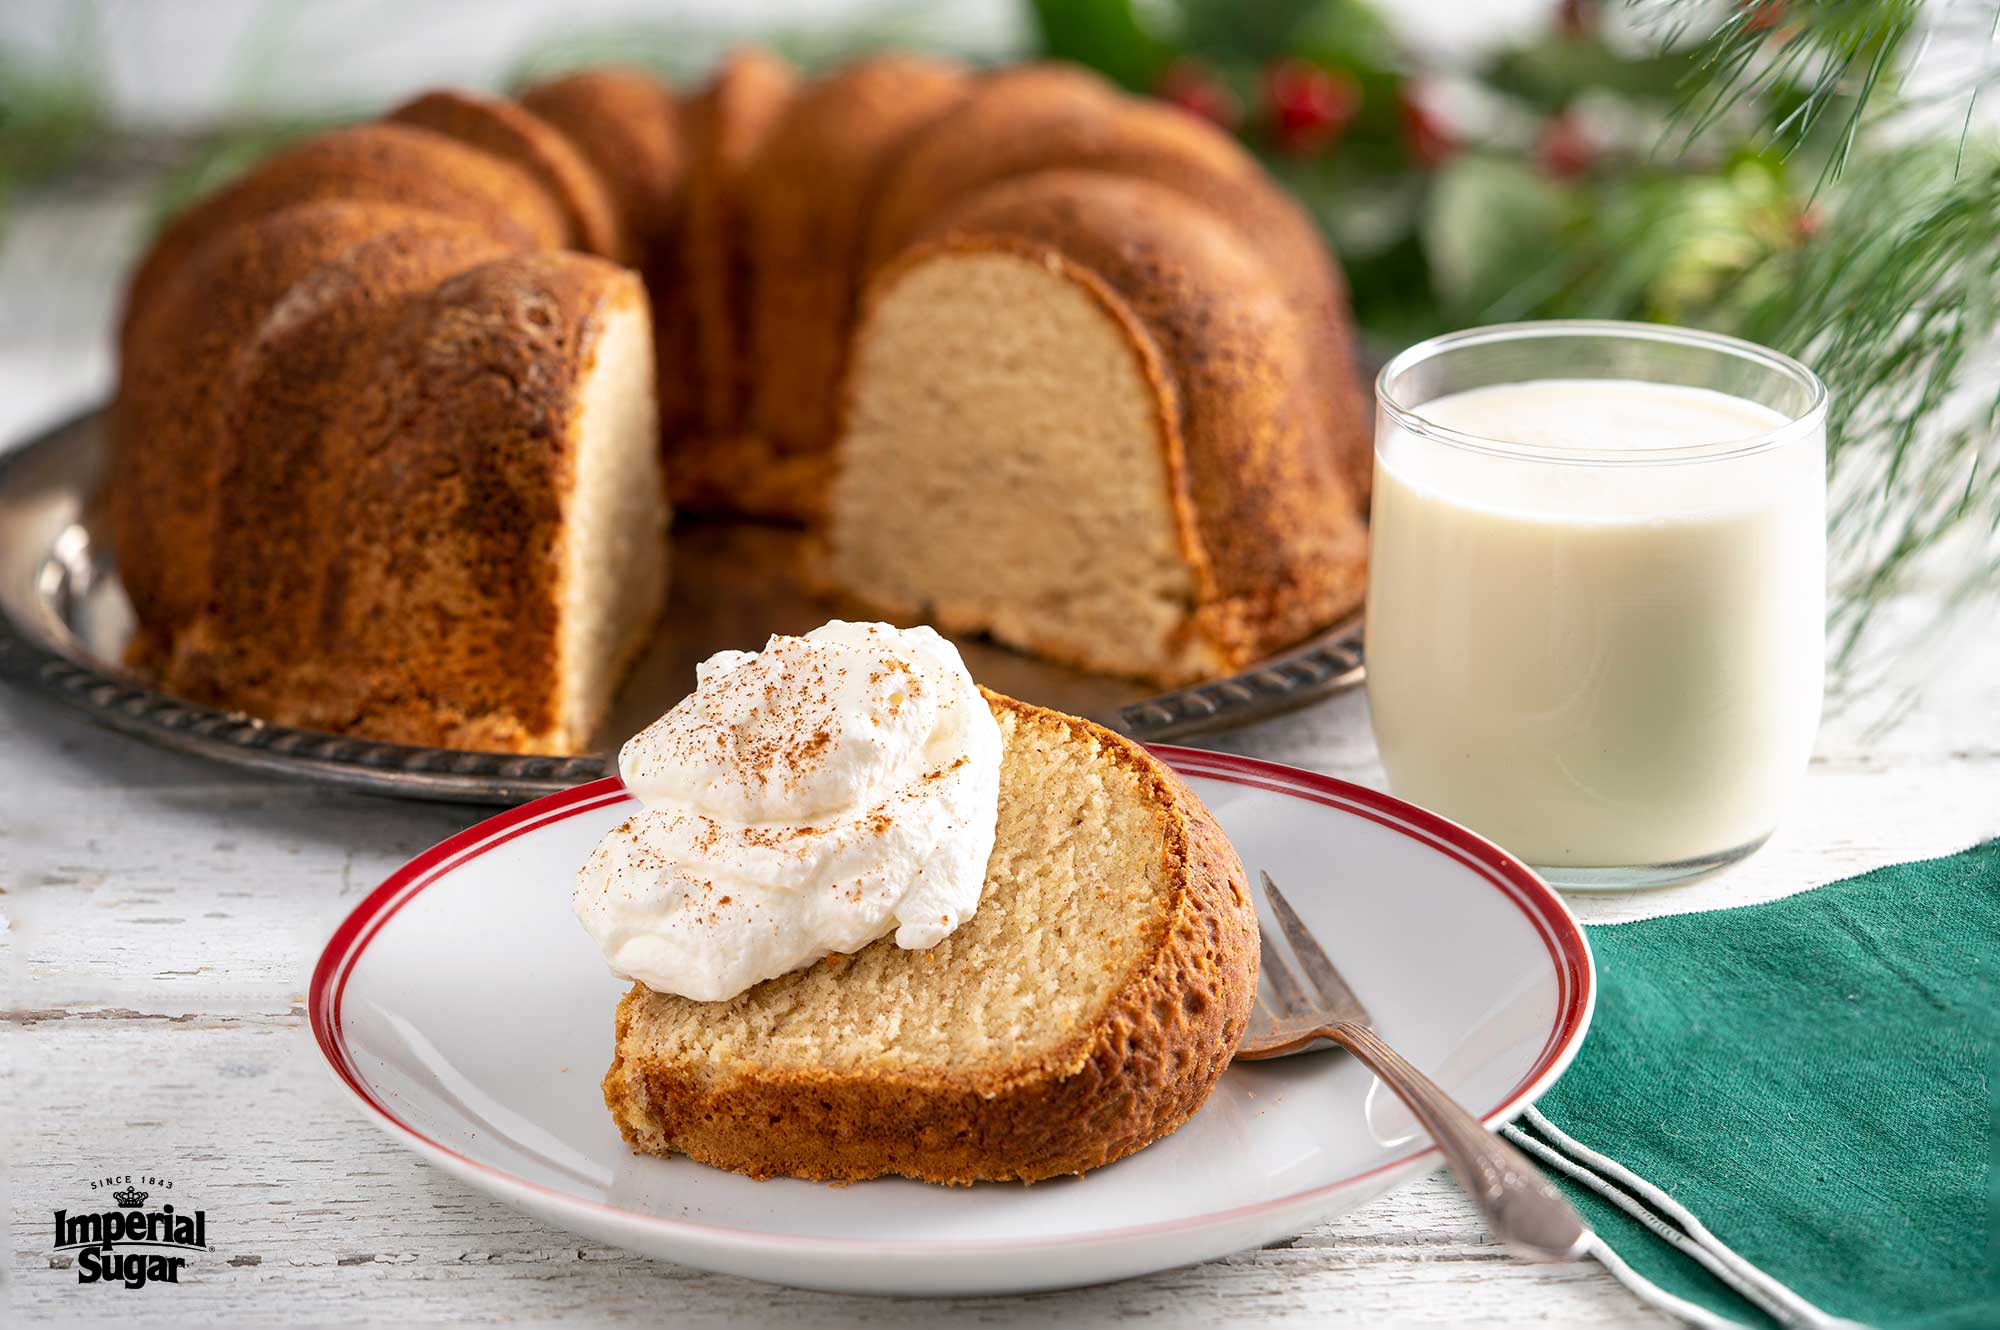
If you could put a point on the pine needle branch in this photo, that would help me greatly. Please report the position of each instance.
(1895, 298)
(1896, 304)
(1799, 62)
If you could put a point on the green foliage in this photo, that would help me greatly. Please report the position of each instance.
(1106, 35)
(1553, 71)
(1257, 30)
(1343, 34)
(1803, 72)
(684, 53)
(49, 114)
(1489, 221)
(1507, 242)
(1896, 305)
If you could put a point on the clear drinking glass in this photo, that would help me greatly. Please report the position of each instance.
(1596, 606)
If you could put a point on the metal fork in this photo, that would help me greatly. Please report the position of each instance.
(1520, 1207)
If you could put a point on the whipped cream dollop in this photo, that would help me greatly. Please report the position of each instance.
(804, 799)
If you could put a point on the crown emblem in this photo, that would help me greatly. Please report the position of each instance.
(131, 1198)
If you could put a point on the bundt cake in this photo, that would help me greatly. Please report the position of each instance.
(423, 488)
(400, 410)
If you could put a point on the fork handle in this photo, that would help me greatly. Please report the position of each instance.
(1520, 1206)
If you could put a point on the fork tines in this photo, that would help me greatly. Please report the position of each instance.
(1333, 993)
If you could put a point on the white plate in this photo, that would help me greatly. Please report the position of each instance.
(464, 1006)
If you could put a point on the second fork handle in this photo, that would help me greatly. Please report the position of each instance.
(1521, 1207)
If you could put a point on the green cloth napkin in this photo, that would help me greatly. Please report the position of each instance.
(1813, 1078)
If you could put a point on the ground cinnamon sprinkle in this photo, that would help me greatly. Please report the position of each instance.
(809, 751)
(944, 771)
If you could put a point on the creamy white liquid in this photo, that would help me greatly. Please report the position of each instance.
(1597, 665)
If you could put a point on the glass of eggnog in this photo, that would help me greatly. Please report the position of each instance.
(1596, 594)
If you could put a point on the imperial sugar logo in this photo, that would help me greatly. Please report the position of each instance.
(132, 1245)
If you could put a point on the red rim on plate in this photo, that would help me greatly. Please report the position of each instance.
(1569, 954)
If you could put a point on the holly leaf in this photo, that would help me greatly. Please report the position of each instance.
(1255, 30)
(1346, 34)
(1552, 72)
(1105, 35)
(47, 118)
(1488, 225)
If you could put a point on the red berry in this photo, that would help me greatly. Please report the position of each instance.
(1425, 137)
(1565, 151)
(1762, 15)
(1189, 85)
(1308, 105)
(1807, 224)
(1577, 18)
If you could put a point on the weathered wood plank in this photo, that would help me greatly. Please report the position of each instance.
(315, 1215)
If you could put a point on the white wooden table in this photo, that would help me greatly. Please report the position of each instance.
(162, 916)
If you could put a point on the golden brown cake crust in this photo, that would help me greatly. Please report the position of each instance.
(807, 200)
(1011, 121)
(420, 604)
(628, 125)
(173, 446)
(633, 130)
(1132, 1074)
(514, 134)
(403, 165)
(727, 123)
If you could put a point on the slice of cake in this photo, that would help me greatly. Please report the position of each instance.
(444, 503)
(1084, 1008)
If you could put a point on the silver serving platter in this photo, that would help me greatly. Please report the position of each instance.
(64, 622)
